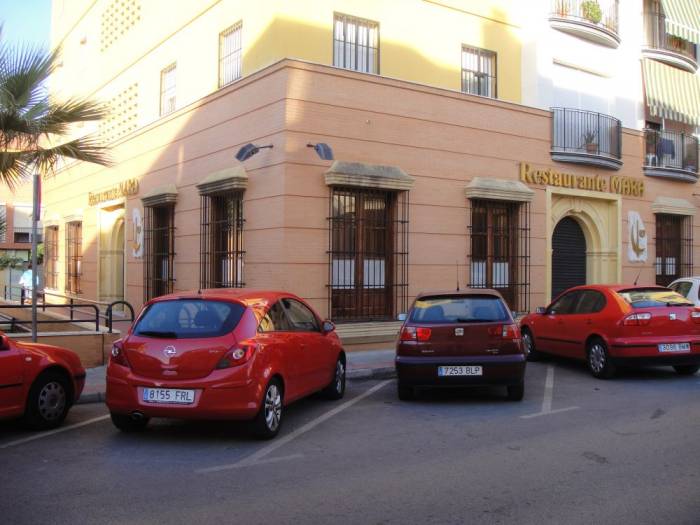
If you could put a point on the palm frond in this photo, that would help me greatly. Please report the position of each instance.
(58, 117)
(14, 168)
(86, 148)
(23, 72)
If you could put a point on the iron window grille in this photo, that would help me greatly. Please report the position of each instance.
(355, 44)
(479, 72)
(367, 254)
(221, 241)
(3, 223)
(51, 257)
(500, 250)
(674, 248)
(167, 89)
(159, 250)
(74, 256)
(230, 54)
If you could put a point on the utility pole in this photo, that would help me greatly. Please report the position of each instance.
(35, 227)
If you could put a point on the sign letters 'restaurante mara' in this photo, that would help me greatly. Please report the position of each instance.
(550, 177)
(124, 189)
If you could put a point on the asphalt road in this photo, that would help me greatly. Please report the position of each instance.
(576, 450)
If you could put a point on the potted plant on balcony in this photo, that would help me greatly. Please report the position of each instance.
(591, 11)
(589, 142)
(561, 8)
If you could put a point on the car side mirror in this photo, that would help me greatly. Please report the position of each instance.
(327, 327)
(402, 317)
(4, 342)
(540, 310)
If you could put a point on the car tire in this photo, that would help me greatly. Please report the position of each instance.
(598, 359)
(267, 423)
(406, 393)
(48, 401)
(516, 392)
(686, 370)
(529, 346)
(336, 389)
(126, 423)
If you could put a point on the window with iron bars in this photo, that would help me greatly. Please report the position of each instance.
(74, 256)
(368, 254)
(159, 250)
(479, 72)
(500, 250)
(230, 54)
(222, 241)
(674, 248)
(51, 257)
(167, 89)
(355, 43)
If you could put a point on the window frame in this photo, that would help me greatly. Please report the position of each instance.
(229, 31)
(51, 257)
(288, 311)
(682, 251)
(574, 304)
(359, 22)
(74, 256)
(481, 54)
(164, 90)
(159, 248)
(221, 238)
(267, 316)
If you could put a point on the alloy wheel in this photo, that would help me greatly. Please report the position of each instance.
(527, 343)
(52, 401)
(597, 358)
(339, 376)
(273, 407)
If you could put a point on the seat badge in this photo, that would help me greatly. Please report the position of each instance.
(169, 351)
(459, 331)
(672, 317)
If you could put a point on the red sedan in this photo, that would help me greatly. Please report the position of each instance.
(617, 325)
(38, 382)
(222, 354)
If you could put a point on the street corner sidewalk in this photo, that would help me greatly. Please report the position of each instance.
(361, 364)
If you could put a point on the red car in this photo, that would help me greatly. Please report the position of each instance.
(617, 325)
(222, 354)
(38, 382)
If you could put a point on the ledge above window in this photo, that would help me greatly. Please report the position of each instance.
(229, 179)
(362, 175)
(499, 190)
(161, 196)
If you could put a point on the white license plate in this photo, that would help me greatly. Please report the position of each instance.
(168, 395)
(444, 371)
(674, 347)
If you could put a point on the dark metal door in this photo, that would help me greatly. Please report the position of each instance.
(568, 256)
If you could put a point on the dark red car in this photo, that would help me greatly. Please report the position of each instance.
(222, 354)
(38, 382)
(617, 325)
(460, 338)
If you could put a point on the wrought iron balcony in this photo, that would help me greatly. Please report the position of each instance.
(670, 49)
(671, 154)
(595, 20)
(586, 137)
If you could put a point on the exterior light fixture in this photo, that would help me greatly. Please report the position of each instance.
(323, 150)
(249, 150)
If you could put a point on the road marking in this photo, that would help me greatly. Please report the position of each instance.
(52, 432)
(548, 396)
(255, 459)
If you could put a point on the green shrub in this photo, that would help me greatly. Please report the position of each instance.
(591, 11)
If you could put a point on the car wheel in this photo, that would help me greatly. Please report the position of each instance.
(269, 419)
(127, 423)
(48, 401)
(686, 370)
(516, 392)
(598, 360)
(406, 393)
(529, 345)
(336, 389)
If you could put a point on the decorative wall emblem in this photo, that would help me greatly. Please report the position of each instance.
(637, 245)
(137, 225)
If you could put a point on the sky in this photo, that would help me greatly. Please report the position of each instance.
(26, 21)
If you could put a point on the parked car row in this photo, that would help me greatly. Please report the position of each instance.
(240, 354)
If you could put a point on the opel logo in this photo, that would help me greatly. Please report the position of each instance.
(672, 317)
(169, 351)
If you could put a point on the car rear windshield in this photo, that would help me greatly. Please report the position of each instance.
(459, 309)
(649, 297)
(189, 318)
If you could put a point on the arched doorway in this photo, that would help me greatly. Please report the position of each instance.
(568, 256)
(111, 250)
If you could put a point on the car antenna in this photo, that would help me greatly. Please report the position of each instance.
(457, 268)
(637, 278)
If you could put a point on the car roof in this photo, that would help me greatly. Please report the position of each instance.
(616, 287)
(255, 298)
(461, 292)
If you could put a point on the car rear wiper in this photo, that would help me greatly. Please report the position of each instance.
(672, 303)
(156, 333)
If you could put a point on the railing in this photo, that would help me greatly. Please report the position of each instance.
(657, 38)
(601, 13)
(671, 149)
(586, 132)
(25, 235)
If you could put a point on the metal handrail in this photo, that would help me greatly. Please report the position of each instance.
(109, 321)
(586, 132)
(575, 9)
(671, 149)
(96, 319)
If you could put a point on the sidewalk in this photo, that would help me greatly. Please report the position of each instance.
(364, 364)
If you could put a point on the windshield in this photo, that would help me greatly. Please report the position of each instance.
(459, 309)
(649, 297)
(189, 318)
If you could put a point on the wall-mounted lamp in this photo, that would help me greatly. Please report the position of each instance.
(249, 150)
(323, 150)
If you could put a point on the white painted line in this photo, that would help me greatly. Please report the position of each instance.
(556, 411)
(52, 432)
(255, 458)
(548, 396)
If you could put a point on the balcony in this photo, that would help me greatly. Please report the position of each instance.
(24, 235)
(667, 48)
(671, 155)
(594, 20)
(586, 137)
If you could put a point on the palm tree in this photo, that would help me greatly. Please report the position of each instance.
(35, 128)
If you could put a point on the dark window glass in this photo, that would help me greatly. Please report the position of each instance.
(74, 256)
(222, 241)
(650, 297)
(478, 71)
(590, 302)
(275, 320)
(186, 319)
(355, 44)
(565, 304)
(159, 252)
(682, 287)
(459, 309)
(51, 257)
(301, 318)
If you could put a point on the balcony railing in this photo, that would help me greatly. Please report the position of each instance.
(657, 38)
(586, 137)
(22, 235)
(600, 15)
(671, 154)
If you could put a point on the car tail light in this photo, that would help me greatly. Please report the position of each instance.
(695, 316)
(237, 355)
(640, 319)
(118, 354)
(412, 333)
(506, 331)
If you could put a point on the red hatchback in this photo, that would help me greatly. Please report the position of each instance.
(617, 325)
(222, 354)
(38, 382)
(456, 339)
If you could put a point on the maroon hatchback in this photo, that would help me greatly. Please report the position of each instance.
(457, 339)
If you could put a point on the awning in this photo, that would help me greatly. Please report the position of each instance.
(671, 93)
(683, 18)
